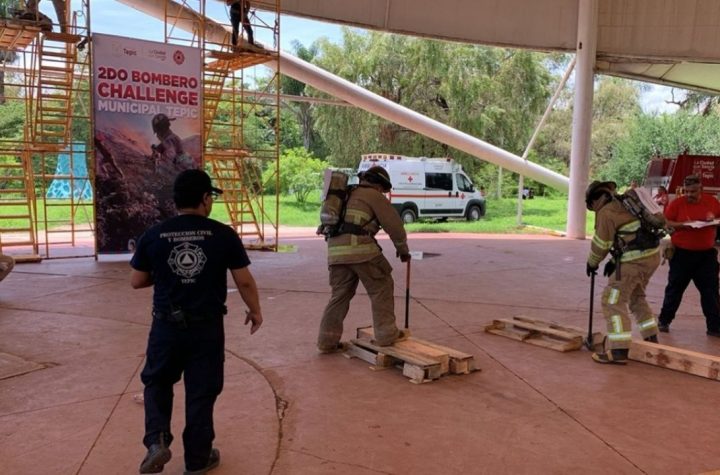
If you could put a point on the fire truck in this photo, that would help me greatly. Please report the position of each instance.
(670, 172)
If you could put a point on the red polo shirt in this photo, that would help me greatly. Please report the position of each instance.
(681, 210)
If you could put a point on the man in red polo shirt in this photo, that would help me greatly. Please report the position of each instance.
(695, 257)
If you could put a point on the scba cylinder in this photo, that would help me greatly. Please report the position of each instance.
(332, 205)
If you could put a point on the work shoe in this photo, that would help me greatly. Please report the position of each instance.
(664, 327)
(338, 348)
(713, 333)
(156, 458)
(213, 462)
(652, 339)
(611, 357)
(402, 336)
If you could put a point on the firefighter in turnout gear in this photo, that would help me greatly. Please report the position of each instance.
(355, 256)
(628, 271)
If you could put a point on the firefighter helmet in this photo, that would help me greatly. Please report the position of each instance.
(597, 189)
(378, 176)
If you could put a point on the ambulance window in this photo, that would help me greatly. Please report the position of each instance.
(464, 184)
(439, 181)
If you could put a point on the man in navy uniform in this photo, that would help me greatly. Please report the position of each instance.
(186, 259)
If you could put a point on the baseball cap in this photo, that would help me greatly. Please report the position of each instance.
(691, 180)
(194, 182)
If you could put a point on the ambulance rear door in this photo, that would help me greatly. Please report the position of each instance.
(439, 190)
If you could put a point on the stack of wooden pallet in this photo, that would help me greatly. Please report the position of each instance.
(420, 360)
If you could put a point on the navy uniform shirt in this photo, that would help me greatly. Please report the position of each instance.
(188, 257)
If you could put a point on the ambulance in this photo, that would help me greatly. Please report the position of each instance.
(428, 187)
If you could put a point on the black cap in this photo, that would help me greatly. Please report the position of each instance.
(691, 180)
(194, 182)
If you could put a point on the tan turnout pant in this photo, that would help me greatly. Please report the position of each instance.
(625, 294)
(376, 277)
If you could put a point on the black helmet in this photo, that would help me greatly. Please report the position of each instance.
(378, 176)
(597, 189)
(160, 123)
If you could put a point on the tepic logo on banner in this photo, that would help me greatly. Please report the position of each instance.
(178, 57)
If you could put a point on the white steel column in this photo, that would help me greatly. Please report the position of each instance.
(582, 117)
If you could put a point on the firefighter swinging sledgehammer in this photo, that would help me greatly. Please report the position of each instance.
(632, 264)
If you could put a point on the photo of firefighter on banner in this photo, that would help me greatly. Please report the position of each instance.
(148, 128)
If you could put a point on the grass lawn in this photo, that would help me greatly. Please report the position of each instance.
(501, 216)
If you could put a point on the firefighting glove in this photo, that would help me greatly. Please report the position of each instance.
(405, 257)
(609, 268)
(590, 269)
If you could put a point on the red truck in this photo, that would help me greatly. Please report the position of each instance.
(670, 172)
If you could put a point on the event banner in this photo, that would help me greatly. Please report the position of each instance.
(147, 99)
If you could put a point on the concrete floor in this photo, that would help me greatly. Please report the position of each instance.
(288, 410)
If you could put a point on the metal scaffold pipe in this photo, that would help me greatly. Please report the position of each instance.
(364, 99)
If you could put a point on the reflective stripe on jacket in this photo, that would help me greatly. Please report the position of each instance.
(369, 209)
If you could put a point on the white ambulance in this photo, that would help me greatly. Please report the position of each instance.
(428, 187)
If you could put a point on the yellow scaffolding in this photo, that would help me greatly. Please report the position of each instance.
(241, 132)
(45, 70)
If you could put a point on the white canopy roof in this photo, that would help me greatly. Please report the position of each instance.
(672, 42)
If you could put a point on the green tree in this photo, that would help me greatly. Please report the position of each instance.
(300, 174)
(616, 103)
(303, 111)
(491, 93)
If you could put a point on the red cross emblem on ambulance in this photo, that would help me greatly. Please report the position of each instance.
(410, 179)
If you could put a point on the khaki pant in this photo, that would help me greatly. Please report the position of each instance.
(6, 265)
(629, 294)
(376, 277)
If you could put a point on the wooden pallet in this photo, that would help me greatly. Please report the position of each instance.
(540, 333)
(420, 360)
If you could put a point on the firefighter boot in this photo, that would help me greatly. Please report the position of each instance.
(611, 357)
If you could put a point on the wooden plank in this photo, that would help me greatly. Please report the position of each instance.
(416, 374)
(567, 328)
(678, 359)
(378, 360)
(540, 327)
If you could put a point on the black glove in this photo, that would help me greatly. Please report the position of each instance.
(590, 269)
(405, 257)
(609, 268)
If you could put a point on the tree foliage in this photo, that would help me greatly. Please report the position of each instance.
(491, 93)
(301, 174)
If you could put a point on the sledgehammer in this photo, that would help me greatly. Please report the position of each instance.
(589, 340)
(407, 295)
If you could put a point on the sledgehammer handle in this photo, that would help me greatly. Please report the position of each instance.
(589, 341)
(407, 295)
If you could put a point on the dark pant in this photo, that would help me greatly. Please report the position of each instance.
(195, 351)
(700, 267)
(240, 14)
